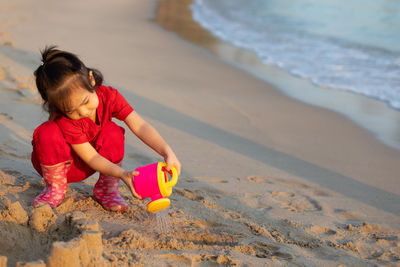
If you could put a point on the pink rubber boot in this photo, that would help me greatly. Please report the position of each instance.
(55, 177)
(106, 193)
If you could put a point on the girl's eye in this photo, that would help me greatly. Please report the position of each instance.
(86, 101)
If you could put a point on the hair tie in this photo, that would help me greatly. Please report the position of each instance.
(41, 63)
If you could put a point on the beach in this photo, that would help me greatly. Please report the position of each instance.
(266, 181)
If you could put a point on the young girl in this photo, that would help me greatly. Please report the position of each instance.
(80, 138)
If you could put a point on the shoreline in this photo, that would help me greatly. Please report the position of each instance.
(177, 18)
(266, 179)
(373, 115)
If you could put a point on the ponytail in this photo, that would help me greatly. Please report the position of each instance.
(98, 77)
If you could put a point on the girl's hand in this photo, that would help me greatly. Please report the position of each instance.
(171, 160)
(126, 177)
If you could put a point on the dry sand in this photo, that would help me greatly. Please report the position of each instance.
(267, 181)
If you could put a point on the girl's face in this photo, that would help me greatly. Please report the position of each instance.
(83, 104)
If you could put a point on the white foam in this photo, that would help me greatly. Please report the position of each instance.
(296, 43)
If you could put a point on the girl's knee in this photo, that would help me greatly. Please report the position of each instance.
(49, 145)
(112, 142)
(47, 133)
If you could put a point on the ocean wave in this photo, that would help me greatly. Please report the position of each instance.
(299, 47)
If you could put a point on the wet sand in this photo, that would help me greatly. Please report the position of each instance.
(373, 115)
(266, 180)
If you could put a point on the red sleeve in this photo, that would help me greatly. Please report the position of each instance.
(73, 131)
(119, 107)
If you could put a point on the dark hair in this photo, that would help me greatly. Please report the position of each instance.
(59, 73)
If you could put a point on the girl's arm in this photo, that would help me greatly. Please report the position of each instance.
(97, 162)
(145, 132)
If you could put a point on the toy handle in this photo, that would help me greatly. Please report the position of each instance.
(174, 175)
(174, 178)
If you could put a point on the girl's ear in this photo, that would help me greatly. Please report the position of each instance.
(91, 78)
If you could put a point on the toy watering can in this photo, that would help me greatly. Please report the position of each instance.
(153, 182)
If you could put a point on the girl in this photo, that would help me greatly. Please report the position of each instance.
(79, 138)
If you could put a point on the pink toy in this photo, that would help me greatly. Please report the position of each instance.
(152, 182)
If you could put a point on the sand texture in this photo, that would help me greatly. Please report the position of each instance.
(266, 181)
(203, 227)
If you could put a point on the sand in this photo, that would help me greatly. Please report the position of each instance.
(266, 181)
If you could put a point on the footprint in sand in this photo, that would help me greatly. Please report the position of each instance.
(257, 201)
(297, 185)
(347, 215)
(296, 202)
(208, 201)
(264, 250)
(280, 194)
(188, 194)
(315, 229)
(292, 183)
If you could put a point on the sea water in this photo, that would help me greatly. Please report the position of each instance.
(350, 45)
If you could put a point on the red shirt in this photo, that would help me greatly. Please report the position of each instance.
(111, 104)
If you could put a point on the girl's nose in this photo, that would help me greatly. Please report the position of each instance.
(83, 113)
